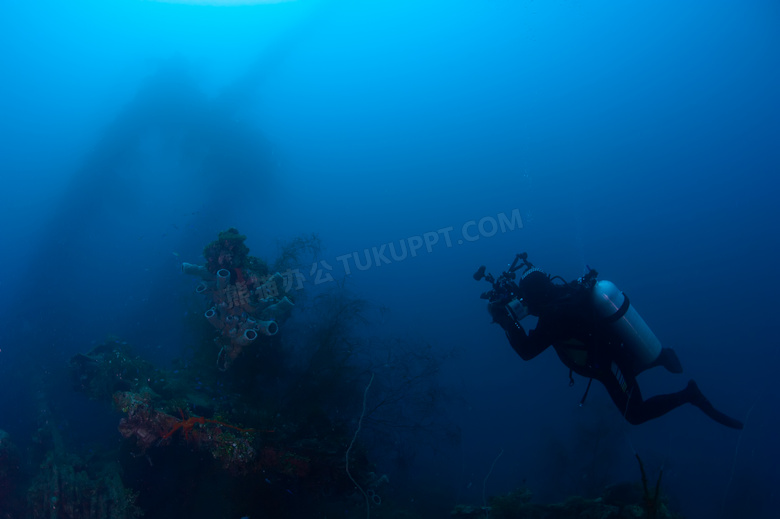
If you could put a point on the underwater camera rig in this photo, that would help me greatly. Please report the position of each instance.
(504, 287)
(506, 290)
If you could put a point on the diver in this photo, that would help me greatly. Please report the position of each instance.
(595, 332)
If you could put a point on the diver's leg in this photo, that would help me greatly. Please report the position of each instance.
(659, 405)
(625, 393)
(638, 411)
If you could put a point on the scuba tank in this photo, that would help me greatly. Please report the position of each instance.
(613, 305)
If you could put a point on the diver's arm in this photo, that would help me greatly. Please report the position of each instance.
(528, 345)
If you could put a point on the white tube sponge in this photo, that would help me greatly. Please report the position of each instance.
(213, 317)
(267, 327)
(246, 337)
(223, 278)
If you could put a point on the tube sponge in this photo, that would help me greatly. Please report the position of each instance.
(196, 270)
(246, 337)
(267, 327)
(213, 317)
(272, 287)
(279, 311)
(223, 278)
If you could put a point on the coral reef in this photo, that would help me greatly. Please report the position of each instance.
(628, 500)
(68, 487)
(147, 425)
(231, 445)
(621, 501)
(247, 304)
(242, 424)
(110, 367)
(228, 251)
(156, 421)
(73, 485)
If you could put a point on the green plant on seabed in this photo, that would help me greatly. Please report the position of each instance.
(652, 502)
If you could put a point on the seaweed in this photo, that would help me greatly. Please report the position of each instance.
(291, 252)
(652, 502)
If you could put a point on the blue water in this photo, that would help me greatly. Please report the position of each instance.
(638, 139)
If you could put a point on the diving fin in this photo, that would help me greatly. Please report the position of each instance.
(697, 398)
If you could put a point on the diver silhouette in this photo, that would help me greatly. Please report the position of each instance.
(595, 332)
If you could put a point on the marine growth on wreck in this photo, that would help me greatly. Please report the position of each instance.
(247, 303)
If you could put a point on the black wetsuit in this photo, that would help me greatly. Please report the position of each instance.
(585, 344)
